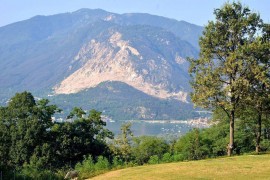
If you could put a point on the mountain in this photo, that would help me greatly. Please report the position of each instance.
(73, 55)
(186, 31)
(120, 101)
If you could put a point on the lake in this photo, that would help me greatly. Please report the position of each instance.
(154, 128)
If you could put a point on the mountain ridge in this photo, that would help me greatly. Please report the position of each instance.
(123, 62)
(72, 52)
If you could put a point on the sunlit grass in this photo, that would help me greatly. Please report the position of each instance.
(238, 167)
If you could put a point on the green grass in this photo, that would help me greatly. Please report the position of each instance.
(238, 167)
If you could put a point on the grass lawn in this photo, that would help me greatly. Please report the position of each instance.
(238, 167)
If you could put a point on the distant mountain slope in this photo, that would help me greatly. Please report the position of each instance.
(184, 30)
(35, 62)
(150, 60)
(72, 52)
(120, 101)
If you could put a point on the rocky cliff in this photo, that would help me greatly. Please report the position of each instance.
(70, 53)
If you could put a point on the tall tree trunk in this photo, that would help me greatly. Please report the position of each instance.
(259, 131)
(231, 144)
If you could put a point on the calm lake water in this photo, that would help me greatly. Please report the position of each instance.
(157, 128)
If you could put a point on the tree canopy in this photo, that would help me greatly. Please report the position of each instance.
(230, 61)
(29, 137)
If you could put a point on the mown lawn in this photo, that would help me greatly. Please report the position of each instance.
(238, 167)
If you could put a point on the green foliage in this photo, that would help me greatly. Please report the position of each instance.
(33, 145)
(231, 63)
(222, 62)
(257, 99)
(211, 142)
(117, 163)
(24, 123)
(102, 164)
(166, 158)
(87, 165)
(32, 172)
(82, 141)
(88, 168)
(215, 139)
(177, 157)
(191, 146)
(265, 144)
(153, 159)
(146, 146)
(85, 134)
(121, 146)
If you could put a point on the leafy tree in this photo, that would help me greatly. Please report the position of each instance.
(25, 124)
(85, 134)
(30, 140)
(121, 146)
(5, 136)
(258, 96)
(218, 134)
(220, 76)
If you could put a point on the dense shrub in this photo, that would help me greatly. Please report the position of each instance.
(177, 157)
(167, 158)
(153, 159)
(86, 167)
(265, 145)
(117, 163)
(146, 146)
(191, 146)
(102, 164)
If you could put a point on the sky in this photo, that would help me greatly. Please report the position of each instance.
(194, 11)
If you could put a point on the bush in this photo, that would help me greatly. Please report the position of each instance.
(102, 164)
(166, 158)
(177, 157)
(147, 146)
(117, 163)
(33, 173)
(153, 159)
(86, 168)
(191, 146)
(265, 145)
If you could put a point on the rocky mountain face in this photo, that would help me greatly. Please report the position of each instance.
(73, 53)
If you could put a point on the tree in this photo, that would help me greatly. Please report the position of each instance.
(220, 76)
(121, 146)
(24, 125)
(5, 141)
(84, 135)
(32, 143)
(258, 96)
(192, 146)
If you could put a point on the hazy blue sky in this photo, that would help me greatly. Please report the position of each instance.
(194, 11)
